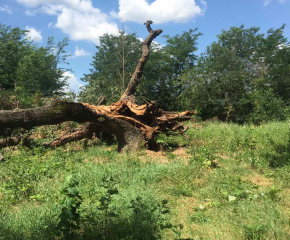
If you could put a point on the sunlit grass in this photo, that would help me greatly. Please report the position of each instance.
(225, 182)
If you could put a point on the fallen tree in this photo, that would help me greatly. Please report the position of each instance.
(133, 125)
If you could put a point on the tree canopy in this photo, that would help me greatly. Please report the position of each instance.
(27, 70)
(244, 76)
(113, 64)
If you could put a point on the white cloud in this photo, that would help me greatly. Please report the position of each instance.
(160, 11)
(5, 8)
(72, 81)
(82, 21)
(77, 18)
(114, 14)
(81, 52)
(85, 25)
(267, 2)
(50, 25)
(30, 13)
(33, 34)
(204, 3)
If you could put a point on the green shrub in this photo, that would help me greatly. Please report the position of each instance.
(268, 107)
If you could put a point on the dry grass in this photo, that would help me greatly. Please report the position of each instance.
(260, 180)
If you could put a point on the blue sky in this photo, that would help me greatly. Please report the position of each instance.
(84, 21)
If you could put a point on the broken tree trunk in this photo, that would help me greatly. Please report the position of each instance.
(133, 125)
(86, 131)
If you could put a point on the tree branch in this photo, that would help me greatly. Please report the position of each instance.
(86, 131)
(131, 88)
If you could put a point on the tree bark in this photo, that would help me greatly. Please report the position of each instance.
(87, 131)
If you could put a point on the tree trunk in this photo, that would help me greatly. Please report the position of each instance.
(133, 125)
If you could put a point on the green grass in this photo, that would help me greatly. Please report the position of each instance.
(225, 182)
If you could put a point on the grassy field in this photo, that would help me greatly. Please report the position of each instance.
(222, 182)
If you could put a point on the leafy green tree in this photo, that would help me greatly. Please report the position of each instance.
(13, 45)
(235, 71)
(156, 84)
(27, 70)
(267, 107)
(276, 59)
(38, 71)
(218, 85)
(180, 49)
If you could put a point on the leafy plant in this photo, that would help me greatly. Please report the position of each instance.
(273, 194)
(69, 218)
(178, 232)
(155, 216)
(105, 201)
(204, 155)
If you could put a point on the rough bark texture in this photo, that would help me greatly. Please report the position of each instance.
(58, 111)
(133, 125)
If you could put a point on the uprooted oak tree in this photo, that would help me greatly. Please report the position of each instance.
(133, 125)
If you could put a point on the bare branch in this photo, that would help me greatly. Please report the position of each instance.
(131, 88)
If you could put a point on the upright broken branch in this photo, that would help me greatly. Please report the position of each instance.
(134, 81)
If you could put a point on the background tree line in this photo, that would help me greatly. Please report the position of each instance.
(244, 76)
